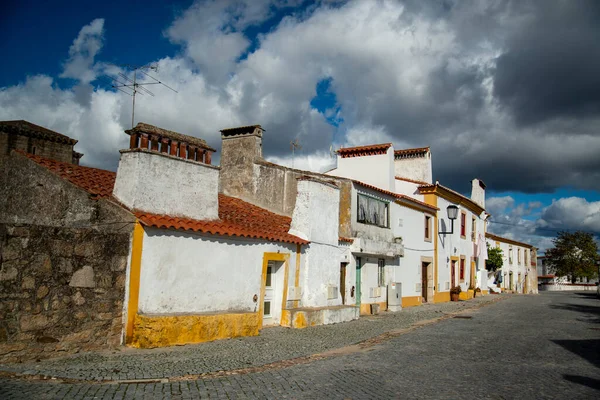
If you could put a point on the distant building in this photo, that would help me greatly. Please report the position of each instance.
(518, 273)
(36, 140)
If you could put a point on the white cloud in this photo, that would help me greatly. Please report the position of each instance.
(82, 52)
(574, 213)
(497, 205)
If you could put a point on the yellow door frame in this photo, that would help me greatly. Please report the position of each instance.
(285, 258)
(135, 268)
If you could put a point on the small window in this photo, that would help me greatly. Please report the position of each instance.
(462, 269)
(372, 211)
(519, 256)
(267, 309)
(510, 255)
(463, 225)
(381, 272)
(473, 229)
(428, 228)
(268, 282)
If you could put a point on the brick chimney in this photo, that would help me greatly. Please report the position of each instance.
(478, 192)
(241, 147)
(167, 173)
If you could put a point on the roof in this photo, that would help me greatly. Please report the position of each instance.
(360, 151)
(407, 153)
(395, 195)
(345, 239)
(236, 218)
(452, 195)
(240, 130)
(25, 128)
(401, 178)
(550, 276)
(506, 240)
(142, 127)
(99, 183)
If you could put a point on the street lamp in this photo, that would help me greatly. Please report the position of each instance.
(452, 211)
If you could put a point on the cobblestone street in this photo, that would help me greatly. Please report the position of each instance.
(545, 346)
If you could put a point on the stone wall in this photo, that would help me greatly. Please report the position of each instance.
(61, 290)
(41, 147)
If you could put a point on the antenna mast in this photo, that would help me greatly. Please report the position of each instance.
(133, 87)
(295, 144)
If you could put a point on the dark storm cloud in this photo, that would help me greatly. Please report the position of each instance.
(551, 66)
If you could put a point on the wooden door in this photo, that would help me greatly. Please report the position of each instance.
(358, 279)
(453, 273)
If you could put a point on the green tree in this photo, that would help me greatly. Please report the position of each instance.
(573, 255)
(494, 261)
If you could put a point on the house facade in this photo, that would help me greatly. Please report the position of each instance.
(519, 267)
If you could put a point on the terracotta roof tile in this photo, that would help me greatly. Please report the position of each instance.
(345, 239)
(26, 128)
(240, 130)
(99, 183)
(236, 218)
(142, 127)
(401, 178)
(416, 152)
(361, 151)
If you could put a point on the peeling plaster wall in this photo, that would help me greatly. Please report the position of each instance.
(417, 168)
(190, 273)
(162, 184)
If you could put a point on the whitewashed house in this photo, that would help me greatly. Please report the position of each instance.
(519, 267)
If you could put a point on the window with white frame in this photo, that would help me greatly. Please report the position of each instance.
(373, 211)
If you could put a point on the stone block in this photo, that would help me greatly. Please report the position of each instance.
(12, 250)
(11, 347)
(83, 277)
(35, 322)
(105, 316)
(42, 264)
(78, 337)
(80, 315)
(42, 292)
(18, 231)
(8, 272)
(118, 263)
(28, 282)
(88, 249)
(78, 299)
(61, 248)
(65, 265)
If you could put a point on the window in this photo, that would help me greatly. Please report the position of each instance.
(381, 272)
(473, 229)
(373, 211)
(519, 256)
(526, 256)
(463, 225)
(462, 269)
(428, 228)
(510, 255)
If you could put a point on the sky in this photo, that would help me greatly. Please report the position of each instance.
(507, 91)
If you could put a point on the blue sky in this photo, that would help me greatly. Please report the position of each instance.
(480, 82)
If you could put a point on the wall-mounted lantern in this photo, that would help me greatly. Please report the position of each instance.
(452, 214)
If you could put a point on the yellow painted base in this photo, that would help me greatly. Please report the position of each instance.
(441, 297)
(468, 295)
(411, 301)
(162, 331)
(485, 292)
(365, 308)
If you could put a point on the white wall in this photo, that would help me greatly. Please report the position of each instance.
(412, 231)
(409, 189)
(454, 245)
(377, 170)
(417, 168)
(162, 184)
(516, 267)
(316, 212)
(190, 273)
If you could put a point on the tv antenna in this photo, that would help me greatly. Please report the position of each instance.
(295, 145)
(133, 87)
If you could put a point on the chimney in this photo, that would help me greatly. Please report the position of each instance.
(167, 173)
(478, 192)
(239, 149)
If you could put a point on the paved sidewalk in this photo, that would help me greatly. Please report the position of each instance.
(273, 345)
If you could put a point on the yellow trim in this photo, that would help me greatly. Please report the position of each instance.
(134, 279)
(468, 295)
(161, 331)
(297, 274)
(285, 257)
(411, 301)
(485, 292)
(452, 197)
(442, 297)
(431, 199)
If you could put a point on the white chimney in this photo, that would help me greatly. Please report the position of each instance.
(167, 173)
(478, 192)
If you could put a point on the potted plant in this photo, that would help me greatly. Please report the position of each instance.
(477, 291)
(455, 292)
